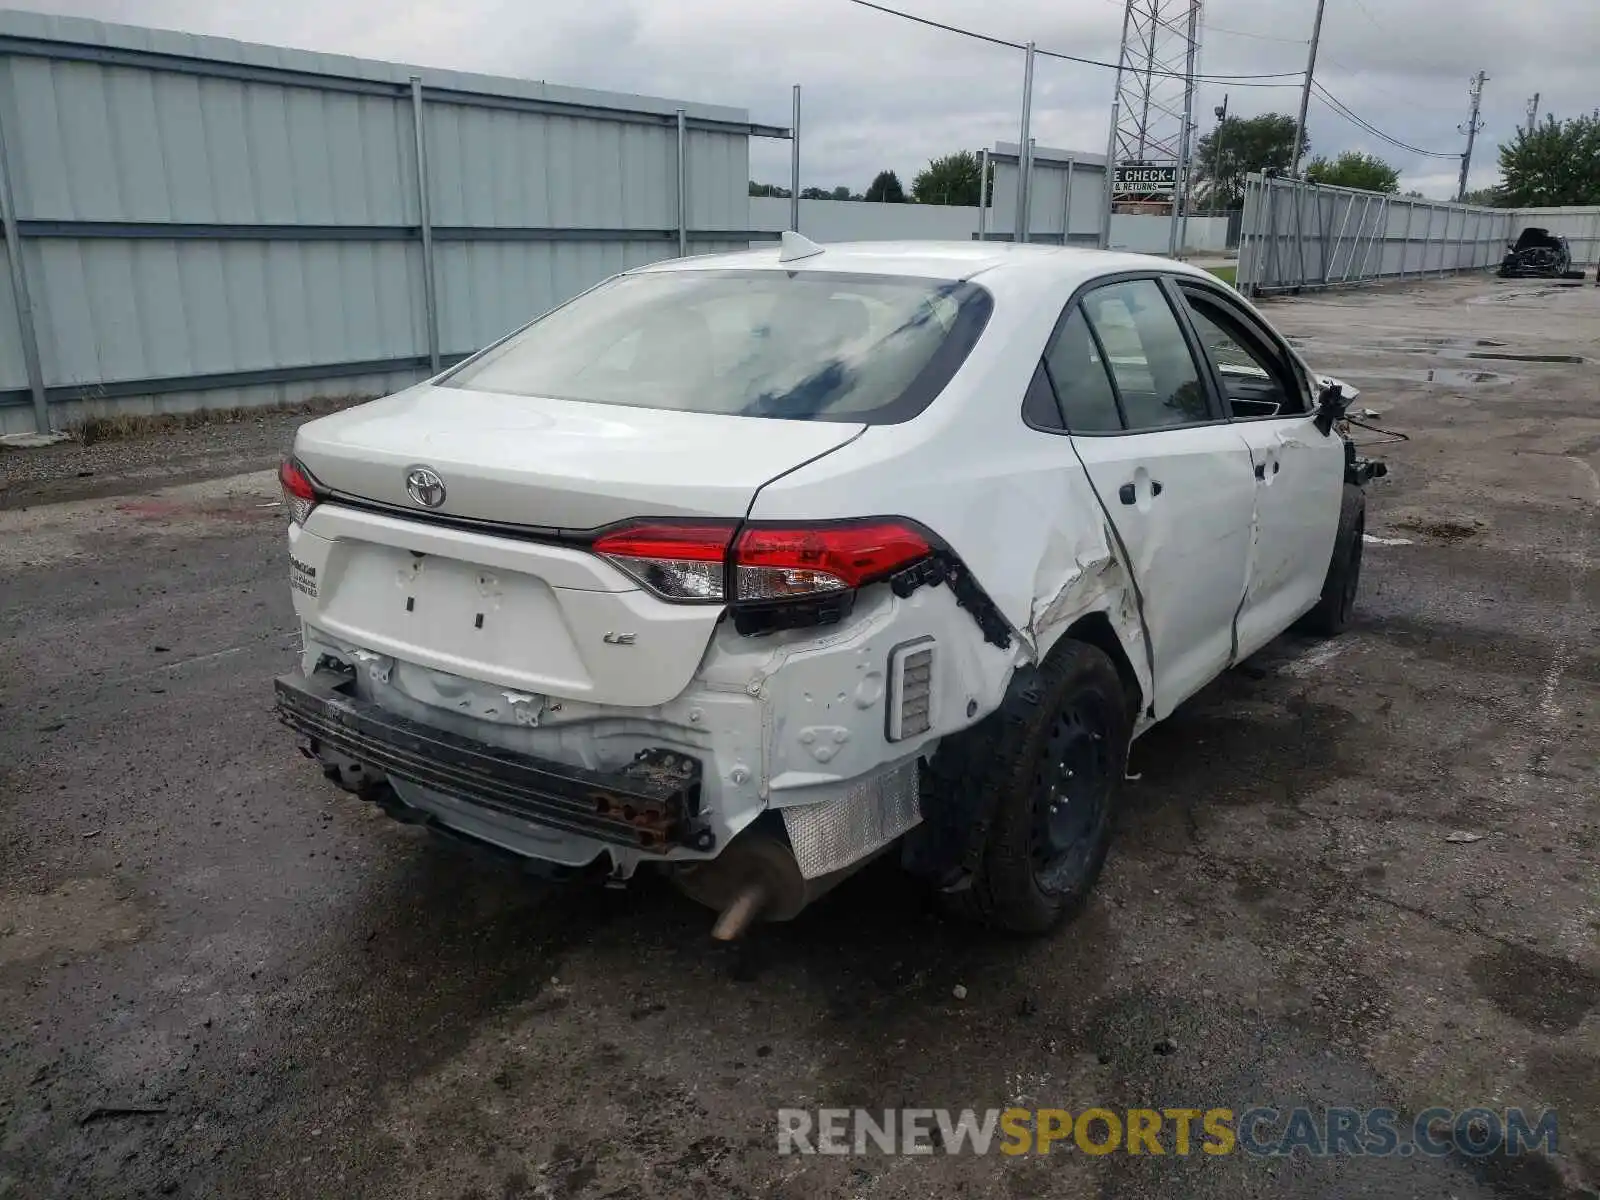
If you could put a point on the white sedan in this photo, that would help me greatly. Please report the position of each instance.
(753, 567)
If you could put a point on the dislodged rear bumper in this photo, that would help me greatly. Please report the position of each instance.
(652, 804)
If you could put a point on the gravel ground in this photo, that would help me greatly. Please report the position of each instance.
(220, 977)
(71, 471)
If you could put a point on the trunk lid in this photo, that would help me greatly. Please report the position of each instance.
(556, 464)
(543, 621)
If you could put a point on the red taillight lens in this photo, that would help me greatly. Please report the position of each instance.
(778, 562)
(675, 560)
(687, 560)
(299, 497)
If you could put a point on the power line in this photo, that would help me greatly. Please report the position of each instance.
(1088, 62)
(1372, 87)
(1339, 107)
(1260, 37)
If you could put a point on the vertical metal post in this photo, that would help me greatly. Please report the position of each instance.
(430, 295)
(1111, 169)
(1247, 213)
(1066, 204)
(1461, 239)
(1178, 234)
(19, 292)
(1444, 239)
(1027, 192)
(1405, 239)
(683, 183)
(1305, 92)
(1020, 230)
(794, 166)
(983, 196)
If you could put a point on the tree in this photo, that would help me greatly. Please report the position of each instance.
(1557, 164)
(814, 193)
(1489, 197)
(768, 189)
(1353, 169)
(886, 189)
(954, 179)
(1238, 146)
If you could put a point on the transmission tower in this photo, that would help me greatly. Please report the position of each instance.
(1160, 44)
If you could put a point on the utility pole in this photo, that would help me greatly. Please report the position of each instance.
(1471, 130)
(1533, 114)
(1305, 92)
(1221, 113)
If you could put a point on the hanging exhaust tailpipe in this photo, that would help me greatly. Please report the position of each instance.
(755, 879)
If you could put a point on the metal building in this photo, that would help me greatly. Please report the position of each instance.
(209, 223)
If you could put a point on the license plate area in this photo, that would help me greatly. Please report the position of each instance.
(453, 615)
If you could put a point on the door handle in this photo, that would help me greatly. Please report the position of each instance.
(1126, 494)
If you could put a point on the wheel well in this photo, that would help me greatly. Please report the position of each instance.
(1095, 629)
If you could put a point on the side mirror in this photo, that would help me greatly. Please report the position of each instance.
(1331, 407)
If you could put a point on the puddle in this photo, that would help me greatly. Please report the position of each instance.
(1444, 531)
(1447, 376)
(1533, 358)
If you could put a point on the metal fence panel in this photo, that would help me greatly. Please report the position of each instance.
(13, 375)
(1057, 178)
(203, 217)
(1297, 235)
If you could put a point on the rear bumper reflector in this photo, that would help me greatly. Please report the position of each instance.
(651, 804)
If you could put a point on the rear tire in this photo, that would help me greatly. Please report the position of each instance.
(1054, 758)
(1332, 614)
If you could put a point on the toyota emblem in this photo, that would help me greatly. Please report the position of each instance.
(425, 486)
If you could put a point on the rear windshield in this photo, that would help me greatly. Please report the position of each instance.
(802, 345)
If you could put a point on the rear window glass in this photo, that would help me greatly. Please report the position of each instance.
(802, 345)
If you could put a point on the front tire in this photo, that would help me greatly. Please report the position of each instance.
(1054, 771)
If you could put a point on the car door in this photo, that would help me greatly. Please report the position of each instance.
(1299, 470)
(1173, 477)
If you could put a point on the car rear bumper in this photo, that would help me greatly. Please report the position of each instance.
(652, 805)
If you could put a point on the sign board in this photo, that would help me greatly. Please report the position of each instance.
(1134, 180)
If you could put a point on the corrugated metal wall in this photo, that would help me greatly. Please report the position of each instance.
(1058, 178)
(205, 222)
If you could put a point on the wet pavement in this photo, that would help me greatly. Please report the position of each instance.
(1356, 873)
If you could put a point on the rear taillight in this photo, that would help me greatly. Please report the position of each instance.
(691, 560)
(299, 497)
(676, 560)
(784, 562)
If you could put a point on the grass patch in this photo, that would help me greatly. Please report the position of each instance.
(87, 431)
(1229, 274)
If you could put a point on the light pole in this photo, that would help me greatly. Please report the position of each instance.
(1221, 113)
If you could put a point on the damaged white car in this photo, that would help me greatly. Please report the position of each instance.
(753, 567)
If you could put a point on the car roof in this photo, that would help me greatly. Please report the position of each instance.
(936, 260)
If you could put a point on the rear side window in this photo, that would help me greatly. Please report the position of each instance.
(1080, 378)
(801, 345)
(1149, 358)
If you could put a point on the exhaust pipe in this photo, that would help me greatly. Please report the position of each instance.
(741, 911)
(756, 878)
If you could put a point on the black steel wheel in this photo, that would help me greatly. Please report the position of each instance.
(1046, 766)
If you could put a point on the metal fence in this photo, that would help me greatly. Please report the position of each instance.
(1063, 199)
(1297, 235)
(196, 222)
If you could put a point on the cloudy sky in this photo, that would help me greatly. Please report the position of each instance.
(882, 92)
